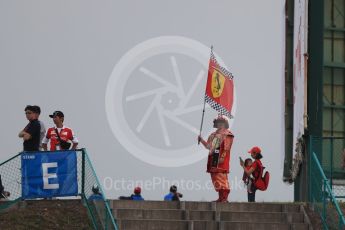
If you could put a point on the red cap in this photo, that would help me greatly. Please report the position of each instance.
(137, 190)
(255, 149)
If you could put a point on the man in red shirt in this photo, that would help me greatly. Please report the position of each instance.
(219, 145)
(59, 134)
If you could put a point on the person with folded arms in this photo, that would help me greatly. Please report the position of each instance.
(31, 133)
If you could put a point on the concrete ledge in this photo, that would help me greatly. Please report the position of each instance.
(211, 206)
(125, 204)
(205, 225)
(153, 225)
(262, 217)
(264, 226)
(163, 214)
(258, 207)
(176, 214)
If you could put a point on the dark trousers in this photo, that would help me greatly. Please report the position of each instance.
(251, 196)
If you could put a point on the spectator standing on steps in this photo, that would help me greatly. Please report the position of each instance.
(31, 133)
(43, 128)
(219, 145)
(59, 136)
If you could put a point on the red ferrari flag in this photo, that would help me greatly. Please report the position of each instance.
(219, 88)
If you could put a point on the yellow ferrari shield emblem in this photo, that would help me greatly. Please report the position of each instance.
(217, 84)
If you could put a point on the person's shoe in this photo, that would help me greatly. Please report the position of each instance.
(225, 194)
(219, 196)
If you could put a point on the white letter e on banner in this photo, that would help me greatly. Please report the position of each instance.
(47, 175)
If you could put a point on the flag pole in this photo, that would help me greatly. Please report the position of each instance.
(202, 119)
(203, 110)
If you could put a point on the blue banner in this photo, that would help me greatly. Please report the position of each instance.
(49, 174)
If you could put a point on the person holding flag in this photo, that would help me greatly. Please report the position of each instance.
(218, 164)
(219, 95)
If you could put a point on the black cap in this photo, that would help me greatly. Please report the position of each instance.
(173, 188)
(57, 113)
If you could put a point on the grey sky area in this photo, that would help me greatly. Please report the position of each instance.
(120, 71)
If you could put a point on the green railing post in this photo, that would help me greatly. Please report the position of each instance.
(310, 166)
(326, 193)
(83, 171)
(339, 221)
(324, 199)
(331, 171)
(107, 210)
(106, 221)
(90, 211)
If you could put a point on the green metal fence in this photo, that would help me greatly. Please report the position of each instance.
(332, 163)
(322, 198)
(333, 148)
(11, 177)
(99, 209)
(321, 195)
(330, 151)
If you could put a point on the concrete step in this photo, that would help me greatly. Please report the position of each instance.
(125, 204)
(212, 206)
(262, 217)
(159, 214)
(171, 214)
(132, 224)
(246, 207)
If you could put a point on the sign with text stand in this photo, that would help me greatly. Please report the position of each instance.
(49, 174)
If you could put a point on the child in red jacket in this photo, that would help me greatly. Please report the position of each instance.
(248, 180)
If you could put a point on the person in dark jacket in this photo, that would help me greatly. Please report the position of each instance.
(32, 132)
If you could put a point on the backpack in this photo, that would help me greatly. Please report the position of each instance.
(261, 182)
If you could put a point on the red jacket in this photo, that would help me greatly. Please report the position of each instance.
(226, 139)
(66, 134)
